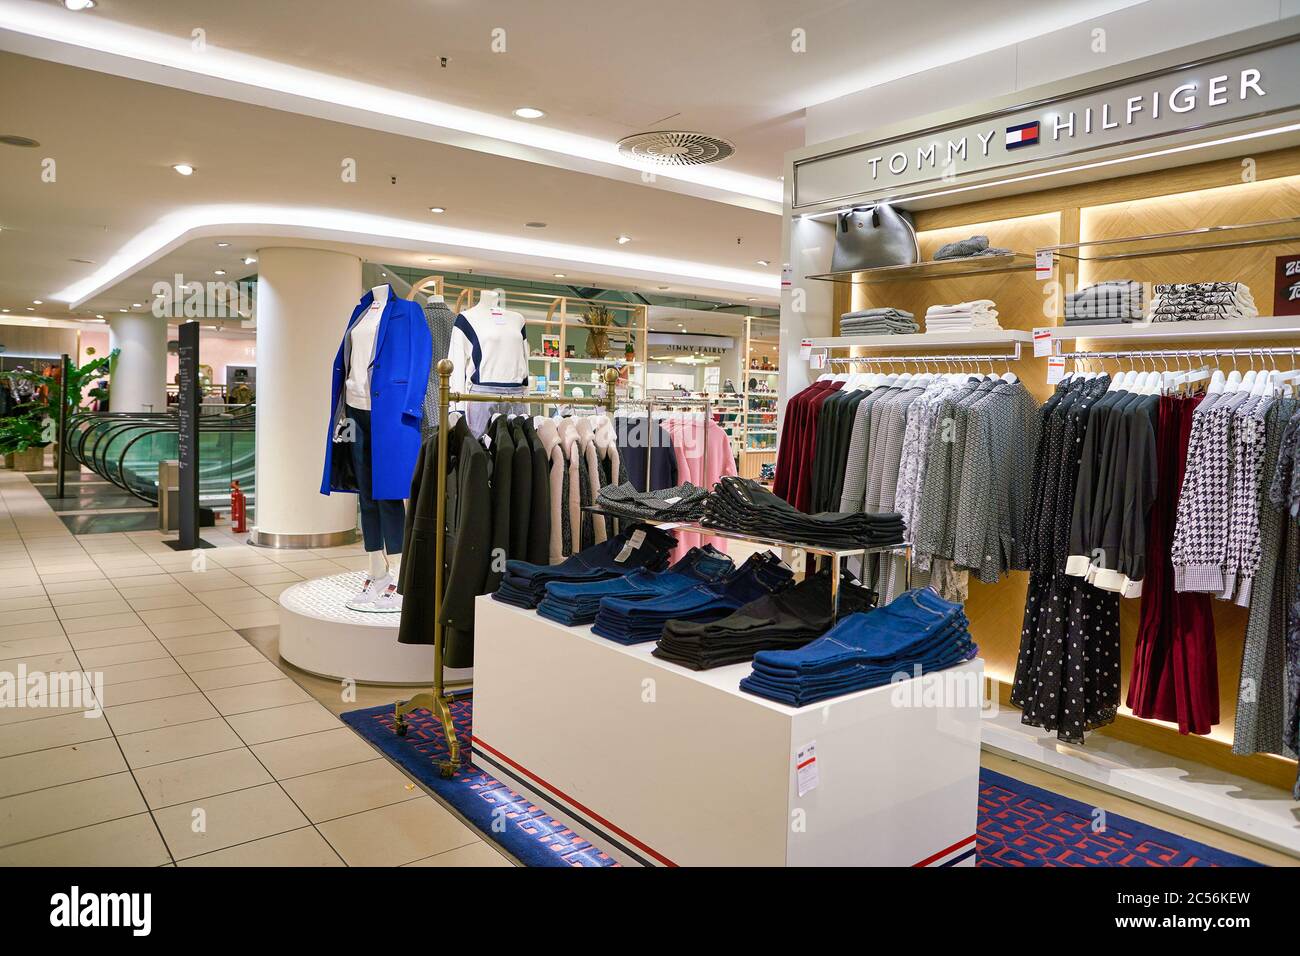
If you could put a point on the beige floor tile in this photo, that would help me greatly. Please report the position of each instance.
(302, 847)
(40, 707)
(16, 591)
(357, 787)
(194, 778)
(163, 602)
(88, 596)
(253, 619)
(57, 661)
(112, 637)
(153, 747)
(235, 676)
(161, 712)
(140, 670)
(16, 604)
(281, 722)
(312, 753)
(210, 660)
(250, 697)
(201, 582)
(275, 575)
(231, 595)
(316, 568)
(202, 643)
(73, 612)
(98, 657)
(207, 625)
(31, 615)
(30, 645)
(129, 841)
(246, 605)
(185, 612)
(102, 623)
(275, 590)
(148, 589)
(49, 768)
(476, 854)
(400, 833)
(153, 688)
(68, 807)
(75, 587)
(228, 819)
(71, 578)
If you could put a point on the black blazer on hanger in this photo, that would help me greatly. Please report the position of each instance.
(501, 452)
(521, 489)
(539, 515)
(466, 555)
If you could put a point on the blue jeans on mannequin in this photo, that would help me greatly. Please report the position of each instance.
(381, 521)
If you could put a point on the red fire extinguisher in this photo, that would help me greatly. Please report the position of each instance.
(238, 510)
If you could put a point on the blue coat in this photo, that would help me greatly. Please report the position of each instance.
(399, 375)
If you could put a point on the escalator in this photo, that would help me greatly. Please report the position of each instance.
(126, 449)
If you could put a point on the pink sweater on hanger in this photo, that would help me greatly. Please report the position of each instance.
(689, 434)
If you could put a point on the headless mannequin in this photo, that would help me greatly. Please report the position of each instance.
(498, 335)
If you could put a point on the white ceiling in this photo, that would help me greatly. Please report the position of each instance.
(138, 97)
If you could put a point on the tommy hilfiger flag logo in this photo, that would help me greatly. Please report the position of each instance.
(1026, 134)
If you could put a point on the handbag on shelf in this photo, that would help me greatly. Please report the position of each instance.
(873, 236)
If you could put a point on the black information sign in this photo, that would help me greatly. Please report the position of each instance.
(187, 438)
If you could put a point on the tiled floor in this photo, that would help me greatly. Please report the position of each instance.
(208, 752)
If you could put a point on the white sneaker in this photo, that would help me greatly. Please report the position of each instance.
(388, 600)
(371, 589)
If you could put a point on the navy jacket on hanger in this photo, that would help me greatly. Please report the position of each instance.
(399, 375)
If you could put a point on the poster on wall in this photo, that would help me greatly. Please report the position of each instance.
(1286, 285)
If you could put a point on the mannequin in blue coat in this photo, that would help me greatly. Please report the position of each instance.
(376, 406)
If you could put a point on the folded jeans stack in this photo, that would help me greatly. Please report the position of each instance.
(962, 316)
(917, 633)
(781, 621)
(969, 248)
(1202, 301)
(577, 602)
(685, 502)
(744, 506)
(1105, 303)
(638, 621)
(885, 321)
(638, 547)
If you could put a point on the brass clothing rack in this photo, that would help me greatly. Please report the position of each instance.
(438, 701)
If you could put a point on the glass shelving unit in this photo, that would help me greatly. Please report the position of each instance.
(759, 430)
(932, 269)
(1241, 235)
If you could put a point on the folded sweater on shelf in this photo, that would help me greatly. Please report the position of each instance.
(978, 314)
(969, 248)
(1105, 303)
(1202, 301)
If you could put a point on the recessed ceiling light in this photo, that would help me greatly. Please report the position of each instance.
(185, 169)
(535, 225)
(38, 301)
(529, 112)
(6, 310)
(84, 262)
(98, 316)
(438, 209)
(763, 262)
(432, 259)
(663, 288)
(222, 245)
(558, 275)
(26, 142)
(78, 4)
(137, 305)
(30, 309)
(623, 240)
(249, 260)
(218, 272)
(750, 299)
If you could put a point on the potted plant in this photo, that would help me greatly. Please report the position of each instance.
(598, 321)
(26, 433)
(24, 436)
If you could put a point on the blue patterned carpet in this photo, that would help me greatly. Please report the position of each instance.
(1019, 824)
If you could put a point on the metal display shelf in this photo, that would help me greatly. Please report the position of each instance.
(1203, 239)
(1263, 327)
(925, 340)
(934, 269)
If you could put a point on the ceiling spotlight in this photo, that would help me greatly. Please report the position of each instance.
(38, 301)
(623, 240)
(137, 305)
(438, 209)
(763, 262)
(185, 169)
(25, 142)
(218, 272)
(221, 245)
(6, 310)
(558, 275)
(98, 316)
(121, 310)
(529, 112)
(30, 309)
(78, 4)
(249, 260)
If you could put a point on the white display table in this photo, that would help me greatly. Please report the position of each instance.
(318, 634)
(662, 765)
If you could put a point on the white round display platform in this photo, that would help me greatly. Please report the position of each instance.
(320, 635)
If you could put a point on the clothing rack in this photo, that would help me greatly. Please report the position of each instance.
(850, 360)
(438, 701)
(1233, 353)
(650, 404)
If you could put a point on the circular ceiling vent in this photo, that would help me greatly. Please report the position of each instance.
(675, 148)
(9, 139)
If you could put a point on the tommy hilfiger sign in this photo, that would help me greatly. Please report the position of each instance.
(1145, 113)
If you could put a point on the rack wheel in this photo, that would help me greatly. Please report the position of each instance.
(400, 728)
(447, 769)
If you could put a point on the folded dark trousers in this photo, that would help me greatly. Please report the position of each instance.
(785, 620)
(744, 506)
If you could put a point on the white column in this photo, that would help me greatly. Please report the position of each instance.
(139, 379)
(807, 305)
(304, 299)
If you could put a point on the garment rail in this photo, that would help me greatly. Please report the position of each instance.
(670, 405)
(1264, 352)
(1006, 358)
(438, 701)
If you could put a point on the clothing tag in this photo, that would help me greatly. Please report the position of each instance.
(1055, 369)
(1042, 342)
(637, 539)
(805, 767)
(1043, 264)
(787, 276)
(672, 501)
(498, 316)
(817, 360)
(626, 553)
(805, 349)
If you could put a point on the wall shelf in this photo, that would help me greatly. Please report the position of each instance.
(1180, 242)
(925, 340)
(1263, 327)
(940, 269)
